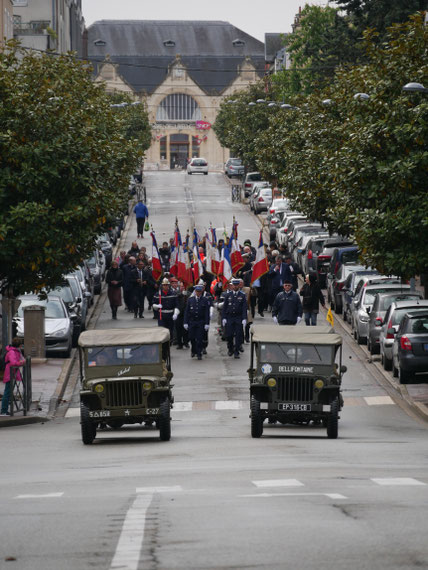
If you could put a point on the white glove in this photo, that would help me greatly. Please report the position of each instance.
(223, 322)
(244, 322)
(174, 317)
(207, 327)
(157, 306)
(275, 320)
(186, 326)
(211, 312)
(298, 320)
(176, 313)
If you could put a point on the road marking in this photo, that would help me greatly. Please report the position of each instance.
(73, 413)
(229, 404)
(398, 481)
(264, 495)
(183, 406)
(127, 554)
(44, 496)
(152, 490)
(278, 483)
(379, 400)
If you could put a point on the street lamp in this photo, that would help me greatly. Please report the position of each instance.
(415, 87)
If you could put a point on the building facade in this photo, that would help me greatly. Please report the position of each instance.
(181, 70)
(6, 20)
(49, 25)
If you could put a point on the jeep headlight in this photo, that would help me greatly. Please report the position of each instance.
(271, 382)
(319, 383)
(99, 388)
(147, 385)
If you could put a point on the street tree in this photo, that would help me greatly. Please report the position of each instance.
(65, 163)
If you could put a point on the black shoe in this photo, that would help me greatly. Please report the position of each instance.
(179, 347)
(193, 354)
(154, 316)
(199, 356)
(230, 353)
(241, 349)
(204, 351)
(135, 316)
(186, 345)
(141, 316)
(150, 308)
(237, 356)
(261, 314)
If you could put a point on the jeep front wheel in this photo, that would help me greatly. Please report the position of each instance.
(88, 428)
(333, 420)
(256, 418)
(165, 421)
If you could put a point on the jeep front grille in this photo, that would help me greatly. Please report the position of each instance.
(124, 393)
(295, 389)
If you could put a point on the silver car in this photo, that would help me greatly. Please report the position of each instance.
(362, 304)
(58, 323)
(262, 200)
(234, 167)
(390, 324)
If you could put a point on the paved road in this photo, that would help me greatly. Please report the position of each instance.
(213, 497)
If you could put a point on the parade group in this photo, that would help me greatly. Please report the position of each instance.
(184, 284)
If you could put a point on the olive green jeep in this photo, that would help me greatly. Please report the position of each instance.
(295, 376)
(125, 379)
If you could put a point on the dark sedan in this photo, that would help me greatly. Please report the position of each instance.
(410, 349)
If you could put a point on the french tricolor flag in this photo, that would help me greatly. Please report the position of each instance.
(197, 263)
(156, 264)
(215, 259)
(261, 264)
(225, 269)
(235, 253)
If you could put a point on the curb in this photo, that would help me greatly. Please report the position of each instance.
(62, 383)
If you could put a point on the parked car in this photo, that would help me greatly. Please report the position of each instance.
(298, 232)
(262, 200)
(257, 186)
(362, 304)
(65, 291)
(311, 251)
(391, 321)
(197, 165)
(234, 167)
(58, 323)
(279, 205)
(410, 348)
(81, 297)
(348, 289)
(281, 232)
(87, 285)
(96, 269)
(249, 181)
(274, 221)
(292, 227)
(300, 249)
(337, 283)
(322, 258)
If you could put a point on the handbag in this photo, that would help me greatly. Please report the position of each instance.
(146, 227)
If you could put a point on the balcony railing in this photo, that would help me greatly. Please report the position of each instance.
(30, 29)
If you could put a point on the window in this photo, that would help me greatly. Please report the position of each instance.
(163, 148)
(178, 107)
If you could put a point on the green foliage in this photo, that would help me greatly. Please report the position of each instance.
(135, 120)
(64, 166)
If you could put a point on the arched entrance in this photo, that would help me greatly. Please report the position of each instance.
(178, 150)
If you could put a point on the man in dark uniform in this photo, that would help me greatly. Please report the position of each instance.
(140, 277)
(287, 307)
(197, 320)
(234, 317)
(166, 305)
(182, 335)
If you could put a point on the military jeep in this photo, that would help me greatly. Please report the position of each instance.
(295, 376)
(125, 379)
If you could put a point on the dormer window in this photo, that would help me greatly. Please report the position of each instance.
(169, 43)
(238, 43)
(99, 42)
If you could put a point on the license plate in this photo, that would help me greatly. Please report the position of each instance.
(100, 414)
(294, 407)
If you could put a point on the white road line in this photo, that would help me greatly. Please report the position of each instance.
(73, 413)
(228, 405)
(152, 490)
(183, 406)
(398, 481)
(278, 483)
(44, 496)
(128, 549)
(329, 495)
(379, 400)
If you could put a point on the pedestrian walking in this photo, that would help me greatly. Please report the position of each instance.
(234, 317)
(279, 272)
(181, 334)
(287, 307)
(311, 298)
(114, 280)
(128, 288)
(141, 213)
(13, 357)
(197, 320)
(139, 277)
(167, 306)
(294, 271)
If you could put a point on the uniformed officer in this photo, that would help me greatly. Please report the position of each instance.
(166, 305)
(197, 320)
(210, 299)
(234, 317)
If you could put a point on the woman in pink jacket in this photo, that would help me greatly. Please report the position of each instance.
(13, 358)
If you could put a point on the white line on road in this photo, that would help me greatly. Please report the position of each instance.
(128, 549)
(379, 400)
(44, 496)
(278, 483)
(329, 495)
(401, 481)
(153, 490)
(183, 406)
(229, 404)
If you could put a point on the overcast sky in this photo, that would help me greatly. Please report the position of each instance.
(255, 17)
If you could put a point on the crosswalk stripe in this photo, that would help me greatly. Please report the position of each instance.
(278, 483)
(43, 496)
(379, 400)
(397, 481)
(171, 489)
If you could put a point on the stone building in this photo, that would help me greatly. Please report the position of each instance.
(6, 20)
(181, 70)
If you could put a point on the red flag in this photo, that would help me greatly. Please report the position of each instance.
(156, 264)
(261, 265)
(235, 253)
